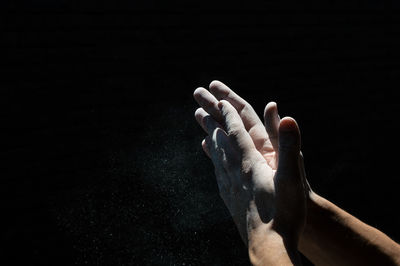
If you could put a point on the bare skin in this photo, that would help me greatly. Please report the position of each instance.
(257, 183)
(261, 177)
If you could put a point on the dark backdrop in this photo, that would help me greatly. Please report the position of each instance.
(102, 156)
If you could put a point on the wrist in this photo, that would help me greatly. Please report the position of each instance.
(267, 246)
(316, 207)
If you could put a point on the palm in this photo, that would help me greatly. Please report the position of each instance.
(263, 145)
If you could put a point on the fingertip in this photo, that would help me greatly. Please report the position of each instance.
(288, 124)
(219, 89)
(215, 83)
(289, 134)
(289, 143)
(197, 92)
(198, 111)
(199, 114)
(273, 105)
(270, 108)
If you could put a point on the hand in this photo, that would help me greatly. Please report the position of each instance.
(276, 208)
(259, 178)
(264, 136)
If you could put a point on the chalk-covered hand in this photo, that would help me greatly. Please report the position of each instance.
(259, 179)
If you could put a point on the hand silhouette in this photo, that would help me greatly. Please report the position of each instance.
(257, 167)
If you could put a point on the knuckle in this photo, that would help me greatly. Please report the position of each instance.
(242, 107)
(246, 107)
(235, 130)
(209, 105)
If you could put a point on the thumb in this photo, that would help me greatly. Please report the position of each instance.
(289, 147)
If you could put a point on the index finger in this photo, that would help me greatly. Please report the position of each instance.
(235, 127)
(244, 109)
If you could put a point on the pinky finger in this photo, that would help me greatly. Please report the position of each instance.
(205, 146)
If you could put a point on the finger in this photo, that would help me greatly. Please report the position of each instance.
(228, 156)
(211, 149)
(205, 148)
(209, 103)
(307, 186)
(235, 127)
(215, 149)
(211, 125)
(201, 117)
(289, 148)
(216, 157)
(244, 109)
(271, 120)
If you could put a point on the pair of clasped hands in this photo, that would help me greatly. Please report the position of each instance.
(261, 179)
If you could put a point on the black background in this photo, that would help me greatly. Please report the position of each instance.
(102, 156)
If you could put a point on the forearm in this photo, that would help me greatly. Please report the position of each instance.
(267, 247)
(334, 237)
